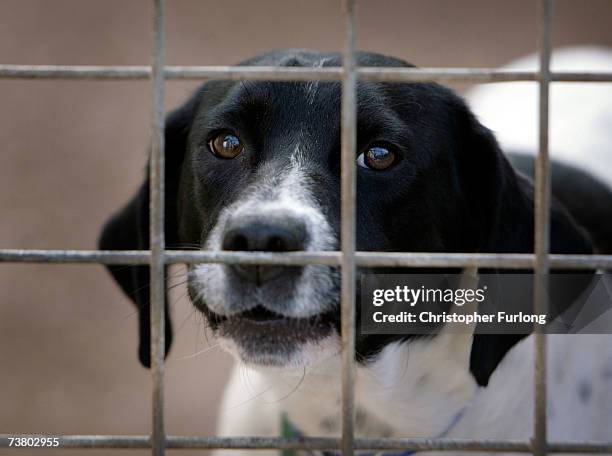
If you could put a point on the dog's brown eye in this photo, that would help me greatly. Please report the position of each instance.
(226, 145)
(377, 158)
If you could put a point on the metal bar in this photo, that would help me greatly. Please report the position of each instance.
(332, 258)
(473, 75)
(348, 223)
(156, 229)
(542, 231)
(75, 256)
(315, 443)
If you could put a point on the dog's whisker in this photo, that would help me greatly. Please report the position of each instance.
(199, 353)
(206, 325)
(173, 285)
(242, 371)
(247, 401)
(190, 314)
(247, 380)
(293, 390)
(167, 278)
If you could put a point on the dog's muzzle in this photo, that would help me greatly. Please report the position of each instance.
(266, 313)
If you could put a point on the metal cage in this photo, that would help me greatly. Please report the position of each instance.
(348, 259)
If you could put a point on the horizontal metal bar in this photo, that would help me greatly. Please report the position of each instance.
(75, 256)
(170, 72)
(331, 258)
(170, 257)
(482, 260)
(313, 443)
(290, 258)
(473, 75)
(584, 76)
(74, 72)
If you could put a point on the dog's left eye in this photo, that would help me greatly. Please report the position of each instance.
(226, 145)
(377, 157)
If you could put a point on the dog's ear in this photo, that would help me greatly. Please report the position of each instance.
(499, 202)
(501, 220)
(128, 229)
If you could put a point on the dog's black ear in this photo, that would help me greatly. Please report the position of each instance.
(499, 201)
(500, 219)
(128, 229)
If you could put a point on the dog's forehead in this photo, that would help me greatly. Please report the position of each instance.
(313, 58)
(310, 97)
(309, 109)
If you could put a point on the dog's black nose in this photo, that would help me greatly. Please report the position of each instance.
(264, 234)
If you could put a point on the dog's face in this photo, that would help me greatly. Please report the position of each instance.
(262, 173)
(255, 166)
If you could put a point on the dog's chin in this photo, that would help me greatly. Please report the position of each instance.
(259, 337)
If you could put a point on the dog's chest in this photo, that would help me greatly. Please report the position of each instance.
(402, 395)
(404, 390)
(325, 419)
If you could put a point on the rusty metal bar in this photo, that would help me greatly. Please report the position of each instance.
(542, 230)
(348, 230)
(156, 229)
(316, 443)
(468, 75)
(332, 258)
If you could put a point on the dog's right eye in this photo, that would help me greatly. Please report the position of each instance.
(226, 145)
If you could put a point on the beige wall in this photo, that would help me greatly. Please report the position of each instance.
(72, 151)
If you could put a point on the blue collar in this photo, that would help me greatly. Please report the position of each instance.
(289, 430)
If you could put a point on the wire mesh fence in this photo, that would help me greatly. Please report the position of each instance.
(348, 258)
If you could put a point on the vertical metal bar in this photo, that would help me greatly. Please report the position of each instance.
(157, 230)
(542, 230)
(348, 195)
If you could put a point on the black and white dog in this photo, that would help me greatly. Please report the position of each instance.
(255, 166)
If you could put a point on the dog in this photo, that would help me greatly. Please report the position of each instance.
(580, 139)
(255, 166)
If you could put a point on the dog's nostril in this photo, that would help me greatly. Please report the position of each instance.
(235, 241)
(277, 244)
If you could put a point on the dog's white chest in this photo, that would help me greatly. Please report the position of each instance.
(401, 395)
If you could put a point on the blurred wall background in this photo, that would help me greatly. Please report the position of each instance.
(72, 151)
